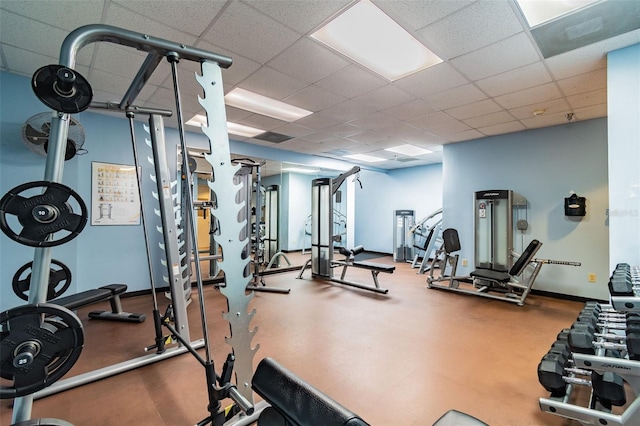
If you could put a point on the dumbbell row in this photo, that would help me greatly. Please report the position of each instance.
(593, 331)
(624, 281)
(556, 373)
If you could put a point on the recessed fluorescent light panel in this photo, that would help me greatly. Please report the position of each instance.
(538, 11)
(409, 150)
(234, 128)
(263, 105)
(242, 130)
(300, 170)
(367, 35)
(365, 158)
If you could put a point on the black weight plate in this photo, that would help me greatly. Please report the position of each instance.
(59, 280)
(62, 89)
(57, 332)
(36, 231)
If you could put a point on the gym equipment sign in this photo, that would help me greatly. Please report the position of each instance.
(115, 198)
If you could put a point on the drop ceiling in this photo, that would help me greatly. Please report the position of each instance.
(493, 76)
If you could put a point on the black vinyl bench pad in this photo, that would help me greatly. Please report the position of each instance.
(381, 267)
(295, 401)
(490, 274)
(88, 297)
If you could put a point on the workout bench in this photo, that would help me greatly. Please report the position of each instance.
(349, 261)
(109, 292)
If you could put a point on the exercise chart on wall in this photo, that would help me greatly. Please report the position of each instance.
(114, 194)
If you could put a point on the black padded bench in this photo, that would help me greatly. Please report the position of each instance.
(378, 267)
(109, 292)
(296, 403)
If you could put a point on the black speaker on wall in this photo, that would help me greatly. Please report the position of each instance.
(575, 206)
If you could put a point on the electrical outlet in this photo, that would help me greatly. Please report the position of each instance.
(591, 277)
(465, 262)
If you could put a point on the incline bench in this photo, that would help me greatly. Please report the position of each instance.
(109, 292)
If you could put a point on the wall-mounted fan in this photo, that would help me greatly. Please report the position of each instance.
(35, 134)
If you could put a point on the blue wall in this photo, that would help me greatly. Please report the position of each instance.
(416, 188)
(543, 165)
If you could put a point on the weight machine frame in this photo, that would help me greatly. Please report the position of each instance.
(156, 49)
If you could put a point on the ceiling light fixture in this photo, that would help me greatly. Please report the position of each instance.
(365, 158)
(367, 35)
(234, 128)
(537, 12)
(409, 150)
(300, 170)
(249, 101)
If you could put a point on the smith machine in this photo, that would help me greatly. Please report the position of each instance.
(34, 360)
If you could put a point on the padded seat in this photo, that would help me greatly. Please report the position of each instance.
(374, 266)
(88, 297)
(295, 402)
(490, 274)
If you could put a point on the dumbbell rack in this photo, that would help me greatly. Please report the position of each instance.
(628, 370)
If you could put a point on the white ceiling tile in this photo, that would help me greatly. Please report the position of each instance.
(45, 40)
(368, 137)
(478, 25)
(585, 99)
(513, 52)
(550, 107)
(65, 14)
(544, 121)
(314, 98)
(240, 68)
(319, 62)
(351, 81)
(502, 128)
(584, 82)
(409, 110)
(318, 120)
(589, 58)
(449, 128)
(261, 122)
(118, 16)
(465, 135)
(534, 95)
(384, 97)
(429, 121)
(294, 130)
(345, 130)
(590, 112)
(417, 14)
(432, 80)
(349, 110)
(302, 16)
(250, 33)
(271, 83)
(493, 119)
(374, 121)
(475, 109)
(452, 98)
(191, 16)
(318, 137)
(118, 60)
(512, 81)
(26, 63)
(236, 114)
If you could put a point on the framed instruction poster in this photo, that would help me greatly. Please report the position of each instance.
(114, 195)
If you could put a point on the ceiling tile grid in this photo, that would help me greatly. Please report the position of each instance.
(491, 81)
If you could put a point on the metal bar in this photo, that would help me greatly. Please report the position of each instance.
(193, 231)
(112, 370)
(87, 34)
(361, 286)
(112, 106)
(144, 73)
